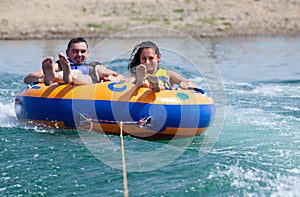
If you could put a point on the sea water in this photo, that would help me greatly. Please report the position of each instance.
(255, 150)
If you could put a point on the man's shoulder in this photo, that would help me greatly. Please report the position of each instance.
(94, 63)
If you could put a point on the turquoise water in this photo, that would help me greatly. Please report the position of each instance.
(257, 152)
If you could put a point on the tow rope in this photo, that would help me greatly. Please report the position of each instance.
(84, 120)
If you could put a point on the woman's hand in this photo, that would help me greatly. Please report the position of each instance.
(186, 84)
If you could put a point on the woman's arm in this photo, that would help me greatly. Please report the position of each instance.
(175, 78)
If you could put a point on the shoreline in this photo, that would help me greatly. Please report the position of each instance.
(60, 19)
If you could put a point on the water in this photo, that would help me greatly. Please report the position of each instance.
(257, 152)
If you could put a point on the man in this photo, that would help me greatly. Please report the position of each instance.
(72, 68)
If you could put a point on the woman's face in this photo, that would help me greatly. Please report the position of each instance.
(150, 59)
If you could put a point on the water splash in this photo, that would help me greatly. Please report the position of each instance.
(7, 115)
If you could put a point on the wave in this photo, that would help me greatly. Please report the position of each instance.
(7, 115)
(288, 81)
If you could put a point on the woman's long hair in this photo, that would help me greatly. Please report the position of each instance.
(135, 54)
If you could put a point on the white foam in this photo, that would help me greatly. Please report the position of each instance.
(288, 186)
(7, 115)
(244, 178)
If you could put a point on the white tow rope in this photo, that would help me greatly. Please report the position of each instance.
(123, 162)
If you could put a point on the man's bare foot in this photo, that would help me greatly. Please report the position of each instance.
(65, 65)
(153, 80)
(48, 70)
(140, 75)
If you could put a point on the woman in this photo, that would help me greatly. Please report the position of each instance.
(145, 70)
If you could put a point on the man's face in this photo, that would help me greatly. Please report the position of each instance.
(78, 53)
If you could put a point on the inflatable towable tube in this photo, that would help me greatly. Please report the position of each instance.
(102, 107)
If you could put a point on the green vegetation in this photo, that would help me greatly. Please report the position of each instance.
(104, 26)
(146, 19)
(93, 25)
(212, 20)
(180, 18)
(166, 21)
(180, 10)
(227, 23)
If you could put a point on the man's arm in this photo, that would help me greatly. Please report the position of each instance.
(37, 76)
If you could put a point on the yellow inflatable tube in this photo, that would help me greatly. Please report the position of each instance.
(102, 107)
